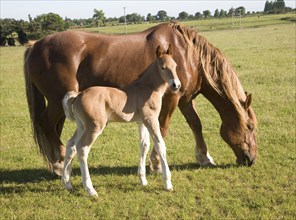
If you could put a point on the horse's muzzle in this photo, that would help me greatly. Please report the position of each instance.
(246, 161)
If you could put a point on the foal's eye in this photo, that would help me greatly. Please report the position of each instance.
(163, 67)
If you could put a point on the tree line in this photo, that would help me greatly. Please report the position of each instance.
(42, 25)
(276, 7)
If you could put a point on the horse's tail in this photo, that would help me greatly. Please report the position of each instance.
(37, 106)
(68, 101)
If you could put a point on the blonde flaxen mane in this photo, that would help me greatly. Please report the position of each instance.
(216, 69)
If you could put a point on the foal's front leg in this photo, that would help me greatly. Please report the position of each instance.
(153, 127)
(144, 148)
(169, 104)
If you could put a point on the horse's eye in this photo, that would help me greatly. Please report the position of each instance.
(250, 125)
(163, 67)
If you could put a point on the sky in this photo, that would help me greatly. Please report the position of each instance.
(20, 9)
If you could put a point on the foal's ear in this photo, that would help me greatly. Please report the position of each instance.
(159, 51)
(248, 101)
(170, 50)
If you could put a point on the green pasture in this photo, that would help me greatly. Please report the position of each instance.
(264, 58)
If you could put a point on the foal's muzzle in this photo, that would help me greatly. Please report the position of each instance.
(175, 85)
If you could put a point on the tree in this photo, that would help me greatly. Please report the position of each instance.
(50, 22)
(198, 15)
(216, 14)
(134, 18)
(222, 13)
(279, 6)
(150, 18)
(207, 13)
(231, 12)
(162, 15)
(240, 11)
(267, 7)
(99, 17)
(183, 15)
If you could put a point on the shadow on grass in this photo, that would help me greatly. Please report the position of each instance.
(14, 181)
(40, 175)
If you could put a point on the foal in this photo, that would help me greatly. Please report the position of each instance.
(139, 102)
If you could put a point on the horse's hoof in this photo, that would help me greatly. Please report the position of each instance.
(57, 168)
(209, 164)
(155, 167)
(205, 160)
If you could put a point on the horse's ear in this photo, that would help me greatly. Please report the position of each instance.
(248, 101)
(159, 52)
(170, 50)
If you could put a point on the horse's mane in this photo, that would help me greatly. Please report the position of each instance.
(216, 69)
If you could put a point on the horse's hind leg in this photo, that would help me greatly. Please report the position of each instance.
(52, 123)
(201, 151)
(144, 148)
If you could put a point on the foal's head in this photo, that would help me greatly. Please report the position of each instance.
(167, 68)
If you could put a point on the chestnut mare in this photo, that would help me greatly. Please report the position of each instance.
(74, 61)
(139, 101)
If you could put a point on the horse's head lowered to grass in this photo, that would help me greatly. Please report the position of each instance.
(223, 89)
(241, 136)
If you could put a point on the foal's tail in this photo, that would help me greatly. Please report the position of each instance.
(68, 101)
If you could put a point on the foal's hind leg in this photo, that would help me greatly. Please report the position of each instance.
(70, 154)
(83, 147)
(144, 148)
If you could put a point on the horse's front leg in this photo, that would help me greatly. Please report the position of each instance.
(169, 104)
(144, 148)
(201, 151)
(159, 145)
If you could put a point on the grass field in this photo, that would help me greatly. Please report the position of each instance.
(264, 58)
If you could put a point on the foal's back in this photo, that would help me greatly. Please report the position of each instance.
(104, 104)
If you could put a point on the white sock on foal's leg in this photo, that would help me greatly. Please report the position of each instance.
(70, 154)
(144, 148)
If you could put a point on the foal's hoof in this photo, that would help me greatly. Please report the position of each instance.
(144, 182)
(170, 189)
(168, 186)
(94, 195)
